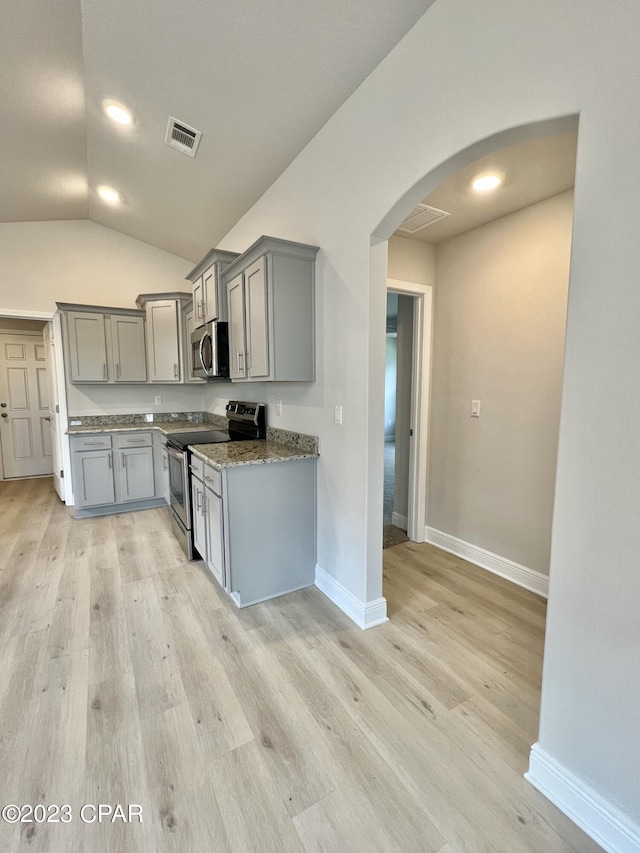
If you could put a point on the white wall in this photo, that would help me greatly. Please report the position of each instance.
(412, 260)
(79, 261)
(469, 70)
(499, 326)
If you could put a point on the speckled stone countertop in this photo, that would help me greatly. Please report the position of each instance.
(166, 427)
(236, 453)
(280, 444)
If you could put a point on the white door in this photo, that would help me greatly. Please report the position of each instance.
(54, 410)
(25, 431)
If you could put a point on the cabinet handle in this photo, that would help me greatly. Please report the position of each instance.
(246, 361)
(104, 369)
(124, 461)
(93, 443)
(204, 309)
(240, 366)
(117, 371)
(109, 461)
(175, 371)
(135, 440)
(198, 496)
(164, 463)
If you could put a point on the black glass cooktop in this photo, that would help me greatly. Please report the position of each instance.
(202, 436)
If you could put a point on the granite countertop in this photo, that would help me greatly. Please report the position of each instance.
(233, 453)
(167, 427)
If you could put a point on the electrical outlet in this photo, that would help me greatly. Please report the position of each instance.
(158, 400)
(278, 407)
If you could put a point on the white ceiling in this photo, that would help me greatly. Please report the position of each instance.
(533, 171)
(258, 79)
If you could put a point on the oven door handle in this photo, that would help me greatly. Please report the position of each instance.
(177, 454)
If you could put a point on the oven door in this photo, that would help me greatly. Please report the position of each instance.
(179, 485)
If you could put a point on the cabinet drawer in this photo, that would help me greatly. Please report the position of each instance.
(90, 442)
(213, 479)
(134, 439)
(197, 467)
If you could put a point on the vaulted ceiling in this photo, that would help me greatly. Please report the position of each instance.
(258, 79)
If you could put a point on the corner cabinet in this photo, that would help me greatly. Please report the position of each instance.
(113, 472)
(165, 331)
(209, 293)
(271, 312)
(103, 345)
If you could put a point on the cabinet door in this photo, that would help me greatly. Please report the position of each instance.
(87, 347)
(211, 307)
(93, 483)
(136, 473)
(188, 326)
(129, 352)
(235, 302)
(257, 358)
(198, 518)
(198, 304)
(163, 349)
(215, 542)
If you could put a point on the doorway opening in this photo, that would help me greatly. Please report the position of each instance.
(489, 503)
(34, 414)
(407, 381)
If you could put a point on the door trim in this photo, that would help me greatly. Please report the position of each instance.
(420, 402)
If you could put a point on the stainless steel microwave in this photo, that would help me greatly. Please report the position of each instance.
(210, 351)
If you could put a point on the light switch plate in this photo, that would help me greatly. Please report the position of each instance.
(475, 408)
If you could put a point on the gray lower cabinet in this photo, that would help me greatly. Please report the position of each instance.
(136, 473)
(93, 479)
(199, 517)
(110, 470)
(256, 527)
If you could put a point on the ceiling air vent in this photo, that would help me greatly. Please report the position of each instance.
(182, 137)
(422, 216)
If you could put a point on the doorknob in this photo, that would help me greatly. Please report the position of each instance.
(5, 415)
(4, 405)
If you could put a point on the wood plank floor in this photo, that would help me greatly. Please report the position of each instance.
(125, 677)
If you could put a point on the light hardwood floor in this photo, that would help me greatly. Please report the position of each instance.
(125, 677)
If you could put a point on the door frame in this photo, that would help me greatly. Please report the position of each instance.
(420, 402)
(54, 319)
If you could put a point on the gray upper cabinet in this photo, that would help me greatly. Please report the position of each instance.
(165, 331)
(129, 353)
(271, 307)
(104, 345)
(87, 347)
(209, 292)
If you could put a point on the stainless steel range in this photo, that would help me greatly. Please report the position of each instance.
(245, 421)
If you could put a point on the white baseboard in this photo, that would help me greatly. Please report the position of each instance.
(521, 575)
(399, 520)
(605, 823)
(364, 614)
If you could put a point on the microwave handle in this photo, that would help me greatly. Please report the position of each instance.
(204, 367)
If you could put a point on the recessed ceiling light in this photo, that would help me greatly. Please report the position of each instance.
(109, 195)
(117, 112)
(487, 181)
